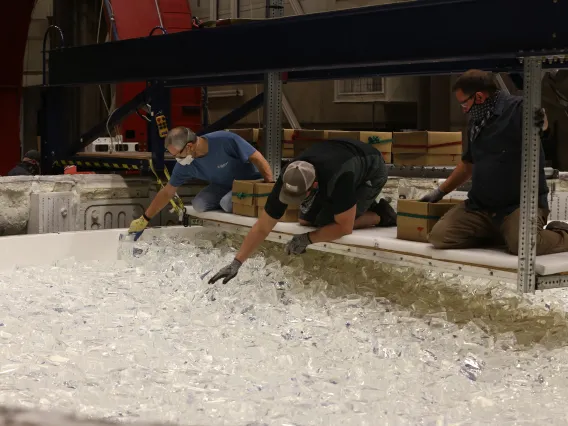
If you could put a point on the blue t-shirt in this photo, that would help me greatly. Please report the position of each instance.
(226, 160)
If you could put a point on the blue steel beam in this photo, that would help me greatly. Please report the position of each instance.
(403, 34)
(235, 115)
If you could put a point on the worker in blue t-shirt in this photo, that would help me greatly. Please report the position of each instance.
(218, 158)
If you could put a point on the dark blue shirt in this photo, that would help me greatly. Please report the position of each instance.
(227, 159)
(496, 155)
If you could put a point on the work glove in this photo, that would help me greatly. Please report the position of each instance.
(228, 272)
(138, 226)
(539, 121)
(298, 244)
(434, 196)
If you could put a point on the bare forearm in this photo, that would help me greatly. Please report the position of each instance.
(256, 236)
(160, 201)
(253, 239)
(264, 168)
(459, 176)
(329, 232)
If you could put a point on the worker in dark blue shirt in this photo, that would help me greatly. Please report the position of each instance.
(218, 158)
(490, 215)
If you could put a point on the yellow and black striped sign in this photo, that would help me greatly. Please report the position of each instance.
(97, 164)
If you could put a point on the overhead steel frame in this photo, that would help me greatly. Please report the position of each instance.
(320, 46)
(273, 104)
(527, 280)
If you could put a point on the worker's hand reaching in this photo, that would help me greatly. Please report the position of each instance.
(138, 226)
(228, 272)
(298, 244)
(433, 196)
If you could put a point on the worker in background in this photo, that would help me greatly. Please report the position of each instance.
(490, 215)
(336, 184)
(218, 158)
(29, 165)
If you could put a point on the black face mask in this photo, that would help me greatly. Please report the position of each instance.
(478, 112)
(32, 167)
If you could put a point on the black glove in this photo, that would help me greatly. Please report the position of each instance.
(228, 272)
(539, 119)
(298, 244)
(434, 196)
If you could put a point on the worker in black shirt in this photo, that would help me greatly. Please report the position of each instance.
(490, 215)
(29, 165)
(336, 184)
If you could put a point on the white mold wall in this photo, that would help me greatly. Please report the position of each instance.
(43, 204)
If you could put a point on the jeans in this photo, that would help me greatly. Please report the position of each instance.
(213, 197)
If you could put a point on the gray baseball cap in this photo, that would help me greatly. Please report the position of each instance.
(297, 180)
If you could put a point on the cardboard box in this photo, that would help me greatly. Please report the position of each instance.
(341, 134)
(244, 210)
(415, 219)
(243, 192)
(426, 159)
(249, 135)
(303, 139)
(290, 215)
(262, 191)
(288, 150)
(439, 143)
(382, 141)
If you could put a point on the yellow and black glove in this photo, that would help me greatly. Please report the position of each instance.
(137, 226)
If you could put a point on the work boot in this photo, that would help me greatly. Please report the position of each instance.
(557, 226)
(385, 212)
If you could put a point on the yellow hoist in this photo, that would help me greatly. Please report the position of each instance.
(176, 201)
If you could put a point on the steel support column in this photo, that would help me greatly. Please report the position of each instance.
(273, 103)
(526, 281)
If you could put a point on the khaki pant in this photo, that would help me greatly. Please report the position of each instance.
(460, 229)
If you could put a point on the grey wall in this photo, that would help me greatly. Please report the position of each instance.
(313, 102)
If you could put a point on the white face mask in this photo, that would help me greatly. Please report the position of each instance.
(185, 161)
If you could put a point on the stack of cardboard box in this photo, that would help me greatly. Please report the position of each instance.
(249, 199)
(244, 198)
(427, 148)
(303, 139)
(382, 141)
(294, 142)
(421, 148)
(249, 135)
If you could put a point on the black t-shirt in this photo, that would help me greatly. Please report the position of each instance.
(496, 155)
(341, 166)
(24, 169)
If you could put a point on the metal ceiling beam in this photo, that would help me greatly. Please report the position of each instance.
(416, 69)
(351, 39)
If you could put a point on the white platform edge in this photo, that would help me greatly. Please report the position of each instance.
(385, 239)
(45, 249)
